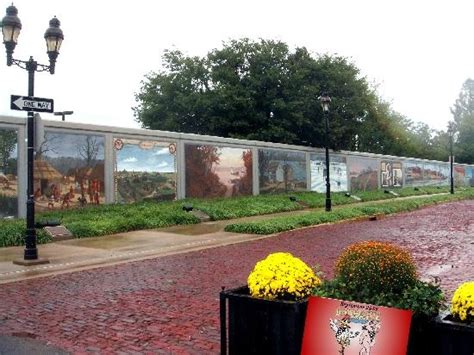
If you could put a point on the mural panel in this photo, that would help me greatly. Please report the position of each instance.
(436, 174)
(413, 173)
(281, 171)
(213, 171)
(144, 170)
(69, 171)
(337, 172)
(363, 173)
(469, 176)
(8, 173)
(459, 175)
(391, 174)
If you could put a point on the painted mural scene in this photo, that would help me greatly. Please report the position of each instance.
(69, 171)
(145, 170)
(213, 171)
(8, 173)
(281, 171)
(391, 174)
(337, 173)
(363, 173)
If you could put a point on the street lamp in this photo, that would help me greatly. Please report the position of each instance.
(325, 100)
(451, 130)
(63, 114)
(11, 26)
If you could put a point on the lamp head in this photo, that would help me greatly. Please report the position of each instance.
(11, 27)
(325, 100)
(54, 38)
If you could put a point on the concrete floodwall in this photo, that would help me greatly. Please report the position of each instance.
(79, 164)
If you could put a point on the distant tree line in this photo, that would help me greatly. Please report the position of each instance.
(264, 91)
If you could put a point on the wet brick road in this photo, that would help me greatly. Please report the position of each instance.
(170, 304)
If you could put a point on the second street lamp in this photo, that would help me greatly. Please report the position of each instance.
(11, 26)
(325, 100)
(451, 130)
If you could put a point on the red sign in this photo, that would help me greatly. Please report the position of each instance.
(351, 328)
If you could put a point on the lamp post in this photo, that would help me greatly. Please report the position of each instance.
(451, 157)
(63, 114)
(11, 26)
(325, 100)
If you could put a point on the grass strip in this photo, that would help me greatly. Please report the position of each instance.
(281, 224)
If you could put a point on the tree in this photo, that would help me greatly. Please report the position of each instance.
(7, 146)
(463, 114)
(89, 150)
(256, 90)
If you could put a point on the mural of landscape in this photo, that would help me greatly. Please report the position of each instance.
(459, 175)
(8, 173)
(337, 173)
(144, 170)
(213, 171)
(391, 174)
(413, 173)
(281, 171)
(469, 175)
(435, 174)
(363, 173)
(69, 171)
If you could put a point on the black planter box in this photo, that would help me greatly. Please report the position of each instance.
(454, 338)
(257, 326)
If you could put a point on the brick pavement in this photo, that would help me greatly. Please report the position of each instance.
(171, 304)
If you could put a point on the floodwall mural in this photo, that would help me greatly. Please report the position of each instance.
(469, 176)
(337, 172)
(213, 171)
(459, 175)
(69, 171)
(435, 174)
(391, 174)
(144, 170)
(8, 173)
(281, 171)
(413, 173)
(363, 173)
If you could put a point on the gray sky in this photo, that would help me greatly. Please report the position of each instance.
(418, 52)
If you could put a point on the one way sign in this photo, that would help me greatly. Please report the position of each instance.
(30, 103)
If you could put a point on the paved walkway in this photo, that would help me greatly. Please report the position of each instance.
(170, 304)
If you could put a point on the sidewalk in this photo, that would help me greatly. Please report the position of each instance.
(87, 253)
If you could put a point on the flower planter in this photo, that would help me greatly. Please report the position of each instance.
(454, 338)
(257, 326)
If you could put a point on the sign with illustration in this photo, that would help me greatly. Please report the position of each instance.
(352, 328)
(144, 170)
(391, 174)
(337, 173)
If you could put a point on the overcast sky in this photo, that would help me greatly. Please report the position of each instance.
(418, 52)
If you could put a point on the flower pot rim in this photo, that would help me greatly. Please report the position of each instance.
(447, 318)
(243, 292)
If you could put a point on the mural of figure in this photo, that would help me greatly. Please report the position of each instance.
(367, 337)
(343, 332)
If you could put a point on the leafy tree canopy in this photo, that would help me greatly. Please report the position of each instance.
(463, 114)
(264, 91)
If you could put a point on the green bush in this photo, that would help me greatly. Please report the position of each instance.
(377, 267)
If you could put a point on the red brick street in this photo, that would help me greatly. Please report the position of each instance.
(171, 304)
